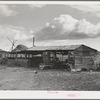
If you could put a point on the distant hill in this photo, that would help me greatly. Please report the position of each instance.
(2, 50)
(19, 48)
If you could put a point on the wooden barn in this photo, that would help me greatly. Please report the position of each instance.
(68, 57)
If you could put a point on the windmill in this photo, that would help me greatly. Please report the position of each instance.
(12, 42)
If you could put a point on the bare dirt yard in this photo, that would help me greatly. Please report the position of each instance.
(20, 78)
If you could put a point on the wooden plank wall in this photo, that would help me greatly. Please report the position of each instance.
(84, 57)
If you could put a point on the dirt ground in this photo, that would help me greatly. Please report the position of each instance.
(20, 78)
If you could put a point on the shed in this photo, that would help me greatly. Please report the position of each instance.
(78, 56)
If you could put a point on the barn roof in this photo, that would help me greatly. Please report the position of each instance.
(44, 48)
(20, 49)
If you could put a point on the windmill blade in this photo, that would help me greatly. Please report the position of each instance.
(15, 42)
(10, 49)
(9, 39)
(13, 45)
(12, 42)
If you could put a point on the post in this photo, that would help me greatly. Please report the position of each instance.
(33, 41)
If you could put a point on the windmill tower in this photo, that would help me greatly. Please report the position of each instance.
(12, 42)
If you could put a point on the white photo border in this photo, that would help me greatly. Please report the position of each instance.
(49, 94)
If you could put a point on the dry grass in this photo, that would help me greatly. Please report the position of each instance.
(16, 78)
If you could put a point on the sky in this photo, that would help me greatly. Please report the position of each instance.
(50, 24)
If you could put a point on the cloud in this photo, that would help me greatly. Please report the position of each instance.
(67, 27)
(14, 33)
(17, 33)
(4, 10)
(93, 9)
(36, 5)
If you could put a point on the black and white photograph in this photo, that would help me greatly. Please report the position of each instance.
(50, 46)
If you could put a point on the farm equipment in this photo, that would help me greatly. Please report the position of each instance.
(55, 64)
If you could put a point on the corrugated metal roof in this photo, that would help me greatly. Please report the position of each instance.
(44, 48)
(38, 48)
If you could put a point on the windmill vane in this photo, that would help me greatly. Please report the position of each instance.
(12, 42)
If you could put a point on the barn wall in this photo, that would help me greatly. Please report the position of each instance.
(84, 62)
(17, 62)
(84, 57)
(97, 59)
